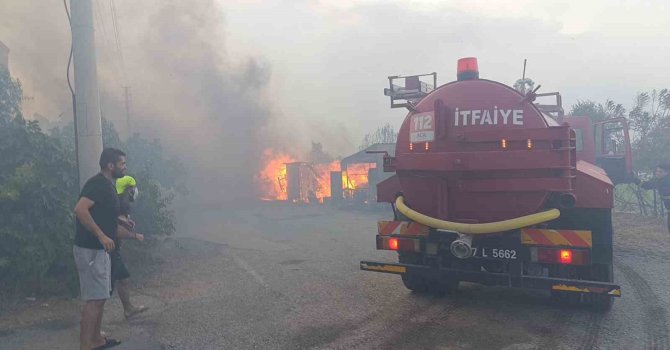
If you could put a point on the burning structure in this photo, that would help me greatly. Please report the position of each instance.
(360, 174)
(350, 180)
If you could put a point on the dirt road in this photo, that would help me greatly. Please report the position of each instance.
(274, 276)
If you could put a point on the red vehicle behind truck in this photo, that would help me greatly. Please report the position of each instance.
(493, 188)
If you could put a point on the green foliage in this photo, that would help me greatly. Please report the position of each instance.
(158, 179)
(630, 198)
(151, 211)
(38, 189)
(110, 137)
(148, 158)
(650, 122)
(384, 134)
(36, 199)
(10, 97)
(598, 111)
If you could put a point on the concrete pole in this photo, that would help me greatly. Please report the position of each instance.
(127, 101)
(88, 123)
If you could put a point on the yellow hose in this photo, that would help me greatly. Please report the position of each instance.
(476, 229)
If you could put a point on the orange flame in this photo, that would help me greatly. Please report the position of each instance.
(322, 172)
(272, 179)
(355, 177)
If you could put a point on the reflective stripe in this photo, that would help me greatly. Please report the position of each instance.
(384, 268)
(615, 291)
(567, 238)
(386, 228)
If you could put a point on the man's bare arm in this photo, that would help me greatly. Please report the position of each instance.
(82, 211)
(124, 233)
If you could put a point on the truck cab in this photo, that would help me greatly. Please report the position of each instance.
(605, 143)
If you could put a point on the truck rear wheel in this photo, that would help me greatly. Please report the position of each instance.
(601, 302)
(413, 282)
(599, 221)
(421, 284)
(444, 287)
(563, 298)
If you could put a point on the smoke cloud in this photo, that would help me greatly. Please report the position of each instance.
(211, 109)
(207, 105)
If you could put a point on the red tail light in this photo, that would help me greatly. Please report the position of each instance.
(566, 256)
(559, 256)
(398, 244)
(393, 243)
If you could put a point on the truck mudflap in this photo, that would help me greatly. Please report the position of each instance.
(497, 279)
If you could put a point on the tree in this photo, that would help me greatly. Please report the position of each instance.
(10, 97)
(37, 193)
(384, 134)
(597, 111)
(650, 122)
(39, 187)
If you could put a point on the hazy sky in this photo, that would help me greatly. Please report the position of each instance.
(330, 58)
(324, 63)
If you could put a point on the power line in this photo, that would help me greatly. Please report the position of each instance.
(101, 19)
(117, 37)
(74, 99)
(110, 49)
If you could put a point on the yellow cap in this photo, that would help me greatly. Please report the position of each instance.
(123, 183)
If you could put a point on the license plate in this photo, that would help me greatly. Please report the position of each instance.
(495, 253)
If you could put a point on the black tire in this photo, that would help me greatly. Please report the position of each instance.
(601, 302)
(421, 284)
(562, 298)
(413, 282)
(444, 287)
(598, 302)
(599, 221)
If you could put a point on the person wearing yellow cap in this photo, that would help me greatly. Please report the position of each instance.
(126, 189)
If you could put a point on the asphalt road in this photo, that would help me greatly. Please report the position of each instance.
(276, 276)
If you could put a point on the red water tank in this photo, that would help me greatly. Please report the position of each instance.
(477, 151)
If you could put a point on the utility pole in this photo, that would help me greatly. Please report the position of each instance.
(127, 99)
(87, 109)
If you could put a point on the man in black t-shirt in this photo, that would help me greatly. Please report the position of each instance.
(96, 213)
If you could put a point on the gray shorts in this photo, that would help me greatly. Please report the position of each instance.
(95, 276)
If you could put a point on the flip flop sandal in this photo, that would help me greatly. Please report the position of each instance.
(137, 311)
(109, 343)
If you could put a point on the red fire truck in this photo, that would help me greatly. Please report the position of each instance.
(491, 187)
